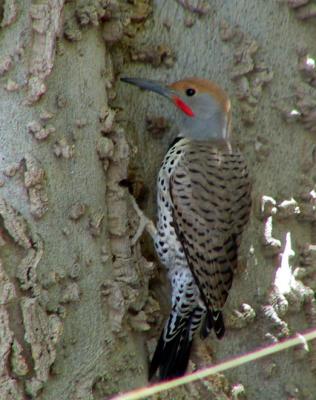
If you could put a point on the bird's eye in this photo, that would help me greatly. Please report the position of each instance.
(190, 92)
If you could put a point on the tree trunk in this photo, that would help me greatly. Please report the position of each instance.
(75, 302)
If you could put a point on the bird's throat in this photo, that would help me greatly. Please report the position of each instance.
(215, 127)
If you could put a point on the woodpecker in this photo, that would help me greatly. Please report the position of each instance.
(203, 202)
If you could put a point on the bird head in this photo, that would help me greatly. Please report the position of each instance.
(204, 105)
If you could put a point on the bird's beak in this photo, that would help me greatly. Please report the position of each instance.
(153, 86)
(163, 90)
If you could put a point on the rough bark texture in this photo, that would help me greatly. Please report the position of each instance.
(67, 272)
(74, 295)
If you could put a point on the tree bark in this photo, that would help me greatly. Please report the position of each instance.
(76, 308)
(68, 275)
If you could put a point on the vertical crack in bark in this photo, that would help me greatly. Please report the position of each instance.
(46, 25)
(40, 331)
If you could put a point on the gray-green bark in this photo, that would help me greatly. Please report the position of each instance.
(76, 310)
(67, 271)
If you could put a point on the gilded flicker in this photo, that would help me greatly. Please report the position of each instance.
(203, 201)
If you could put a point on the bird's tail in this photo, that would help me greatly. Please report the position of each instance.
(172, 353)
(213, 320)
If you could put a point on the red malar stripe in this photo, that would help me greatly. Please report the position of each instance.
(184, 107)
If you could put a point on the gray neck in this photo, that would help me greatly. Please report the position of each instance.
(215, 127)
(209, 122)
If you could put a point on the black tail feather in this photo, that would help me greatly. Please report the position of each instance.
(218, 324)
(182, 360)
(158, 358)
(172, 357)
(213, 320)
(207, 325)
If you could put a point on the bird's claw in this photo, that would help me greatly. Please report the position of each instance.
(144, 224)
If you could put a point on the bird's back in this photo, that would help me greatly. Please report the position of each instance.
(210, 196)
(203, 206)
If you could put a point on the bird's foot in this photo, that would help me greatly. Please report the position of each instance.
(144, 224)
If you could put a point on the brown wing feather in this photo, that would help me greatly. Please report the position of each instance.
(210, 191)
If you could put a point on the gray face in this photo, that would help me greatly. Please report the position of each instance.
(209, 121)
